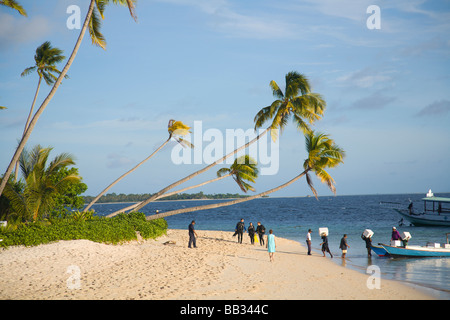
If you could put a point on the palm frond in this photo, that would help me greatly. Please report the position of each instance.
(14, 5)
(94, 30)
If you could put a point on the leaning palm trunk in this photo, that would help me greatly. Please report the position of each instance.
(173, 185)
(27, 123)
(124, 175)
(228, 203)
(44, 104)
(169, 194)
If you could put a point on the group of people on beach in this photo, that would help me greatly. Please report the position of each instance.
(256, 235)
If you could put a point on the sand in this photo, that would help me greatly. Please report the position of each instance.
(219, 268)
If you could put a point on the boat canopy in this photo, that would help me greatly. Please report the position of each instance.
(440, 208)
(437, 199)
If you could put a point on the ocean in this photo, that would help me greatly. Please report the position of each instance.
(292, 217)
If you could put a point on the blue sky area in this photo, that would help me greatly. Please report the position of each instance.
(387, 89)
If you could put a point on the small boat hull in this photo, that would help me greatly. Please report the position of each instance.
(426, 219)
(416, 251)
(380, 251)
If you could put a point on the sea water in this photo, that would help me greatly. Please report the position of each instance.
(292, 217)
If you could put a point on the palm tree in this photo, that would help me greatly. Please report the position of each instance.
(176, 129)
(243, 169)
(323, 153)
(46, 58)
(298, 101)
(94, 4)
(14, 5)
(37, 199)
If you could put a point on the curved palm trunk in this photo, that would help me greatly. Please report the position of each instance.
(162, 191)
(224, 204)
(125, 174)
(44, 104)
(16, 170)
(169, 194)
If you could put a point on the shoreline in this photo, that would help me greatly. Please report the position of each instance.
(219, 269)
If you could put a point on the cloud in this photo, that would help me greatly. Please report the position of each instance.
(118, 160)
(19, 30)
(435, 109)
(227, 20)
(365, 78)
(376, 100)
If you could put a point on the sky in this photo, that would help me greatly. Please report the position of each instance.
(384, 75)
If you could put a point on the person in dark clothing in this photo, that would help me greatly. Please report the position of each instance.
(324, 245)
(260, 230)
(368, 241)
(240, 228)
(192, 235)
(251, 233)
(344, 245)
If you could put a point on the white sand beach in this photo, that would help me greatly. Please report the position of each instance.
(219, 268)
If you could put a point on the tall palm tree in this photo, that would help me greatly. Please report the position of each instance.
(323, 153)
(297, 101)
(14, 5)
(45, 59)
(176, 129)
(243, 169)
(37, 198)
(94, 4)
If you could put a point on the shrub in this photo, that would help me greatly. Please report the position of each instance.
(99, 229)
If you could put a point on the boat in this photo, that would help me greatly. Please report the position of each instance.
(380, 251)
(436, 212)
(430, 250)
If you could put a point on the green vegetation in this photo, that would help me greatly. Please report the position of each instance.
(83, 225)
(113, 197)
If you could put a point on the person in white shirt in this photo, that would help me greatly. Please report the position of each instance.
(308, 241)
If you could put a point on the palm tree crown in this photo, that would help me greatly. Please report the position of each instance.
(323, 153)
(243, 169)
(37, 198)
(297, 101)
(98, 14)
(46, 58)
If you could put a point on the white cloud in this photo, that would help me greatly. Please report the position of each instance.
(226, 19)
(21, 30)
(365, 78)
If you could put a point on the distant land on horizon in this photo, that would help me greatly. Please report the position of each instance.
(113, 197)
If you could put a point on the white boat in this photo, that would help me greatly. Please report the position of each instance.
(436, 212)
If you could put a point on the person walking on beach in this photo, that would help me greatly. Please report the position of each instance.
(271, 244)
(344, 245)
(324, 245)
(251, 233)
(260, 230)
(308, 241)
(240, 228)
(192, 235)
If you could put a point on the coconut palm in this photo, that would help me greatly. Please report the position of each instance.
(323, 153)
(176, 129)
(37, 198)
(94, 4)
(46, 59)
(243, 169)
(14, 5)
(298, 101)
